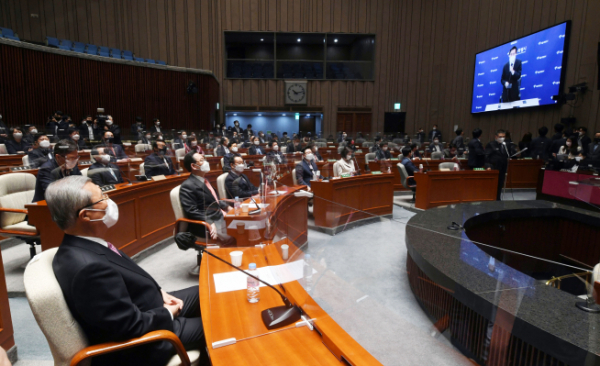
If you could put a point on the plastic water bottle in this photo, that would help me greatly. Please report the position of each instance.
(237, 206)
(420, 168)
(253, 293)
(307, 272)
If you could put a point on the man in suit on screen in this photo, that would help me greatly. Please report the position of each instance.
(511, 78)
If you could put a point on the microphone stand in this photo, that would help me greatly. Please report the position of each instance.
(273, 318)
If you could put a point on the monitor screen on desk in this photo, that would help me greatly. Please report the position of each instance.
(522, 73)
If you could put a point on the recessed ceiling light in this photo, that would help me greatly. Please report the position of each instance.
(308, 115)
(260, 115)
(298, 39)
(262, 39)
(335, 40)
(235, 114)
(283, 114)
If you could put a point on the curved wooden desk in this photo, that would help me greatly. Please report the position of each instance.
(338, 202)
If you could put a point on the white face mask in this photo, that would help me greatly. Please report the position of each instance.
(348, 157)
(316, 149)
(70, 164)
(344, 136)
(234, 149)
(512, 59)
(240, 168)
(436, 142)
(75, 137)
(108, 122)
(17, 135)
(500, 139)
(256, 142)
(275, 147)
(578, 158)
(111, 215)
(384, 148)
(45, 144)
(309, 157)
(34, 131)
(205, 167)
(183, 137)
(568, 143)
(194, 143)
(435, 128)
(105, 158)
(148, 137)
(158, 123)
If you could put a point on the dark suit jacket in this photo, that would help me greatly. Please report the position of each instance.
(48, 173)
(239, 130)
(256, 150)
(136, 130)
(539, 147)
(513, 93)
(555, 146)
(303, 173)
(101, 175)
(496, 156)
(115, 155)
(421, 137)
(292, 148)
(277, 157)
(220, 150)
(198, 203)
(12, 146)
(239, 186)
(63, 129)
(51, 128)
(459, 141)
(154, 130)
(591, 154)
(145, 140)
(410, 170)
(113, 299)
(227, 159)
(584, 141)
(433, 134)
(476, 154)
(84, 132)
(116, 131)
(433, 149)
(39, 156)
(381, 155)
(155, 165)
(178, 143)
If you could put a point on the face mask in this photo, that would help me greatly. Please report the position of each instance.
(256, 142)
(75, 137)
(194, 143)
(109, 140)
(218, 140)
(436, 142)
(234, 149)
(17, 135)
(500, 140)
(158, 123)
(275, 147)
(205, 167)
(316, 149)
(218, 126)
(568, 143)
(183, 137)
(108, 122)
(70, 164)
(344, 136)
(111, 215)
(105, 159)
(384, 148)
(162, 151)
(309, 157)
(348, 157)
(148, 137)
(44, 144)
(435, 128)
(34, 131)
(578, 158)
(239, 168)
(237, 124)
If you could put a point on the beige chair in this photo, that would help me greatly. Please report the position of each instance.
(84, 172)
(141, 148)
(17, 190)
(370, 157)
(68, 343)
(294, 177)
(3, 150)
(283, 149)
(367, 144)
(438, 155)
(181, 223)
(142, 170)
(446, 166)
(25, 159)
(404, 180)
(180, 153)
(221, 185)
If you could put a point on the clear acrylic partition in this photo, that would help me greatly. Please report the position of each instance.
(586, 188)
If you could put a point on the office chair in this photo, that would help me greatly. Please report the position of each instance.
(404, 180)
(438, 155)
(448, 166)
(221, 185)
(67, 341)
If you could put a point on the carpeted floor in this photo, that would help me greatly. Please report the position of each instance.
(368, 295)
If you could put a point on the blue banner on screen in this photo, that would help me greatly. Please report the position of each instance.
(523, 73)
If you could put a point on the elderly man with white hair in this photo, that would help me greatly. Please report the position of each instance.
(110, 296)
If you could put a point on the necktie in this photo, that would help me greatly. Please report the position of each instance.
(112, 173)
(113, 248)
(212, 191)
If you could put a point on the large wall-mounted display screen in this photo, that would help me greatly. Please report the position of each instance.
(526, 72)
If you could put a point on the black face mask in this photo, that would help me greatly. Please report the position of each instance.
(109, 140)
(162, 151)
(597, 139)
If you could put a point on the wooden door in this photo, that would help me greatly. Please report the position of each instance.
(345, 122)
(307, 124)
(363, 123)
(353, 123)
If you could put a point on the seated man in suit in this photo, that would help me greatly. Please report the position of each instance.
(343, 137)
(315, 150)
(137, 128)
(228, 158)
(408, 164)
(16, 144)
(199, 201)
(275, 155)
(255, 149)
(74, 135)
(345, 165)
(593, 153)
(222, 149)
(383, 153)
(41, 151)
(307, 169)
(109, 125)
(415, 151)
(295, 146)
(180, 140)
(87, 129)
(63, 165)
(146, 138)
(435, 133)
(436, 146)
(116, 152)
(237, 183)
(108, 294)
(158, 163)
(103, 172)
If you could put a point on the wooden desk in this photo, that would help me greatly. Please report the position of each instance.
(145, 216)
(7, 340)
(444, 188)
(340, 201)
(230, 315)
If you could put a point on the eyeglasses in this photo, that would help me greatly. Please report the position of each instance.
(104, 198)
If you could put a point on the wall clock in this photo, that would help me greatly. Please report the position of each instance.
(295, 92)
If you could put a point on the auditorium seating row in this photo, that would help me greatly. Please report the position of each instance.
(90, 49)
(9, 34)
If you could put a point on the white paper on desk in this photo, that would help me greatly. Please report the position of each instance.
(248, 225)
(273, 275)
(253, 206)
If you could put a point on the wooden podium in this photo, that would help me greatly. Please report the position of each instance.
(341, 201)
(438, 188)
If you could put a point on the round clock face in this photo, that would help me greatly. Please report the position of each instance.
(296, 93)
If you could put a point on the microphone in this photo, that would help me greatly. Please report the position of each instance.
(273, 318)
(506, 148)
(357, 166)
(253, 212)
